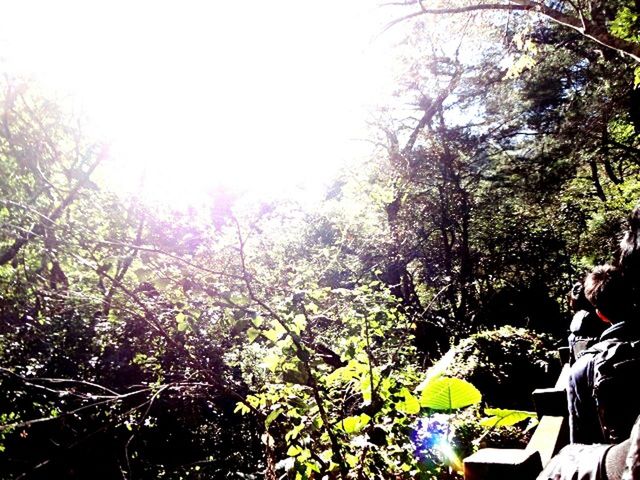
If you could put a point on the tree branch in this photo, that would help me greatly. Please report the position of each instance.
(589, 29)
(11, 251)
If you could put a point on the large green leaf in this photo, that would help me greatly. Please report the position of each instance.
(445, 393)
(500, 417)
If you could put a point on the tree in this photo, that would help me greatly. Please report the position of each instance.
(593, 19)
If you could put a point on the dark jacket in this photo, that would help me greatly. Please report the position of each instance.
(584, 331)
(584, 425)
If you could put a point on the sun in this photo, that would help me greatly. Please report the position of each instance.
(268, 97)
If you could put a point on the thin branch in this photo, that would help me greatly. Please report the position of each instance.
(38, 229)
(593, 31)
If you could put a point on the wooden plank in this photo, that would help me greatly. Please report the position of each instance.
(550, 436)
(498, 463)
(563, 379)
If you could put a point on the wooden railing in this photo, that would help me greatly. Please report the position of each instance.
(551, 434)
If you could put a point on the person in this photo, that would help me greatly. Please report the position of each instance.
(586, 327)
(601, 409)
(597, 462)
(585, 462)
(628, 257)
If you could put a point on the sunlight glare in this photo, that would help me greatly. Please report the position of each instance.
(261, 96)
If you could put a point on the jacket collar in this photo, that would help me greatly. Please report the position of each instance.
(622, 330)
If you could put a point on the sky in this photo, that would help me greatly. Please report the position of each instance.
(265, 96)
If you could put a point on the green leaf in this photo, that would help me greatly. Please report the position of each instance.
(352, 460)
(294, 432)
(238, 299)
(242, 408)
(252, 334)
(258, 321)
(271, 335)
(300, 322)
(410, 405)
(182, 321)
(500, 417)
(271, 362)
(305, 454)
(356, 423)
(294, 451)
(271, 417)
(445, 393)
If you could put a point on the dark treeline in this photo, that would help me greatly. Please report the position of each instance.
(247, 340)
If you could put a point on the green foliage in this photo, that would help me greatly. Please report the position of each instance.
(343, 399)
(625, 25)
(240, 338)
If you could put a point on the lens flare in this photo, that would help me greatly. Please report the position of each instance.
(431, 437)
(450, 455)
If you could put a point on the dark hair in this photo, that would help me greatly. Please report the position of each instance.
(607, 290)
(628, 257)
(577, 300)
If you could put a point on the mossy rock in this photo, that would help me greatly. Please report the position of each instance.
(506, 365)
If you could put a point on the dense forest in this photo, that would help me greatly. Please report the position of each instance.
(243, 338)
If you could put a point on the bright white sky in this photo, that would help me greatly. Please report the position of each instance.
(264, 95)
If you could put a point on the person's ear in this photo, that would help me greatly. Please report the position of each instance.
(602, 316)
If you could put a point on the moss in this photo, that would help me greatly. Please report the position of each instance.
(506, 365)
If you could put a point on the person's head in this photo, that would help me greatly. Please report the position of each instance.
(628, 256)
(608, 292)
(577, 300)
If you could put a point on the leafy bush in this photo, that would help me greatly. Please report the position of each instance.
(506, 365)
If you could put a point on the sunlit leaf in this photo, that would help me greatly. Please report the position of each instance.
(410, 405)
(271, 417)
(271, 361)
(294, 450)
(271, 335)
(258, 321)
(300, 322)
(445, 393)
(252, 334)
(242, 408)
(161, 283)
(240, 300)
(499, 417)
(356, 423)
